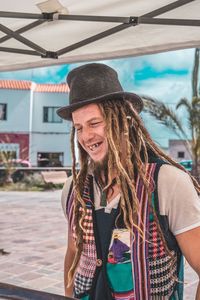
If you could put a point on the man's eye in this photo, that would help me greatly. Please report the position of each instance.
(95, 124)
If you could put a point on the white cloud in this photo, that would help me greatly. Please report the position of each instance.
(168, 89)
(49, 74)
(174, 60)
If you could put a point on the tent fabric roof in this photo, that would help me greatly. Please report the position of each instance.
(128, 28)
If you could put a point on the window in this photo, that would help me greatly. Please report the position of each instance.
(181, 154)
(50, 159)
(50, 115)
(3, 111)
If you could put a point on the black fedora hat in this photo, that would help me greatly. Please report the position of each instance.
(94, 83)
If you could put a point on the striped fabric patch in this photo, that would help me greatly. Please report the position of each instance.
(140, 249)
(154, 276)
(124, 296)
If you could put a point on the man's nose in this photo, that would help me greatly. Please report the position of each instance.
(87, 134)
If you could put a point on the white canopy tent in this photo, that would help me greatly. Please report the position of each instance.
(69, 31)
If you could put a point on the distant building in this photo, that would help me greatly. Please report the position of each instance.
(178, 150)
(29, 126)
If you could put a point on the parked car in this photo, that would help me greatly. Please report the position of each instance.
(187, 164)
(16, 164)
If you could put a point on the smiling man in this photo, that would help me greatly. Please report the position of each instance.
(132, 211)
(90, 127)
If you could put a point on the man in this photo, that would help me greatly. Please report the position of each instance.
(132, 211)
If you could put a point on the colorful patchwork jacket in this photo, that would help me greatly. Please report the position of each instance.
(153, 277)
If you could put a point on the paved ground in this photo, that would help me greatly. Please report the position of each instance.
(33, 231)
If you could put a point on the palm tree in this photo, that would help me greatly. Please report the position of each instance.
(169, 117)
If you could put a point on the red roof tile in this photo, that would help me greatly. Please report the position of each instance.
(52, 88)
(15, 84)
(28, 85)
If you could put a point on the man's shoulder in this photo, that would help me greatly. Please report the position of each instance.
(65, 192)
(67, 184)
(169, 173)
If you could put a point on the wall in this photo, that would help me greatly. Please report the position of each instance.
(50, 143)
(176, 146)
(49, 137)
(25, 127)
(15, 130)
(16, 138)
(18, 110)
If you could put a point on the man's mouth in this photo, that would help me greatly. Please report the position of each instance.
(94, 146)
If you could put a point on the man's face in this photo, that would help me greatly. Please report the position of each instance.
(90, 127)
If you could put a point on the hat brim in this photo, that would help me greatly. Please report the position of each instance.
(65, 112)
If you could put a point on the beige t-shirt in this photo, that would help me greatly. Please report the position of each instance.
(177, 196)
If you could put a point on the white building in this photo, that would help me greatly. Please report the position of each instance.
(29, 126)
(179, 150)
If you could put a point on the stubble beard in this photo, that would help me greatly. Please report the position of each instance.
(100, 169)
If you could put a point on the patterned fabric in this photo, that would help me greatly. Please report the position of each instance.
(153, 277)
(88, 235)
(82, 284)
(156, 247)
(159, 266)
(88, 261)
(124, 296)
(87, 265)
(140, 244)
(119, 249)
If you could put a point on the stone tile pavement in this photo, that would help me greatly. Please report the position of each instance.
(33, 230)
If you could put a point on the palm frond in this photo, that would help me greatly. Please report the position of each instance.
(196, 102)
(164, 114)
(186, 103)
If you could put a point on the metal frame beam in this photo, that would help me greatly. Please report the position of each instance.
(21, 39)
(167, 8)
(23, 29)
(165, 21)
(126, 22)
(20, 51)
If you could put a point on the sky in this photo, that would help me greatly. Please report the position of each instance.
(164, 76)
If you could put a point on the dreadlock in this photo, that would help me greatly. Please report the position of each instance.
(129, 159)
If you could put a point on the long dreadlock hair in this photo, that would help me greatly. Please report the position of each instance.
(122, 122)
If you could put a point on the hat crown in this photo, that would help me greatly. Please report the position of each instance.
(91, 81)
(95, 83)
